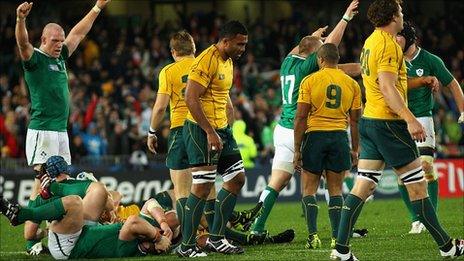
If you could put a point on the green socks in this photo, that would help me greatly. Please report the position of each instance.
(335, 210)
(180, 210)
(432, 189)
(350, 213)
(405, 196)
(426, 214)
(236, 236)
(193, 212)
(310, 208)
(268, 197)
(209, 213)
(225, 203)
(31, 243)
(61, 189)
(51, 211)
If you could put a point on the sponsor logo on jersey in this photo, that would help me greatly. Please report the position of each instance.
(53, 67)
(420, 72)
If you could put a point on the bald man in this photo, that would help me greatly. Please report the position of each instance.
(46, 77)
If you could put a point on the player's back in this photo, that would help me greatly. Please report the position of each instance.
(381, 53)
(172, 81)
(331, 94)
(292, 71)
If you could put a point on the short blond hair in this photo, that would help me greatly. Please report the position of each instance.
(182, 42)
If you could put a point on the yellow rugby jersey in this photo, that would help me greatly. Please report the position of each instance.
(331, 94)
(381, 53)
(216, 75)
(172, 81)
(124, 212)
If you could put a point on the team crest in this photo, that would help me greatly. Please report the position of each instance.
(420, 72)
(221, 76)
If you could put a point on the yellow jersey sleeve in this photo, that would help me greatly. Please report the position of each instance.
(357, 98)
(304, 94)
(163, 86)
(204, 68)
(388, 58)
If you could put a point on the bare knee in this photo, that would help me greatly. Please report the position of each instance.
(417, 190)
(98, 188)
(30, 230)
(202, 190)
(363, 188)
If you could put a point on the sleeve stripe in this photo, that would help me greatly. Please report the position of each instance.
(384, 46)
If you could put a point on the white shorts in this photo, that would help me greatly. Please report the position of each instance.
(61, 245)
(427, 122)
(284, 148)
(42, 144)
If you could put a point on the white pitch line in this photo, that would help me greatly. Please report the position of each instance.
(306, 250)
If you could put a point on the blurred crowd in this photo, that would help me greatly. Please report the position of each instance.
(113, 77)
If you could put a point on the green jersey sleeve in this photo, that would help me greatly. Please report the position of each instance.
(31, 64)
(310, 64)
(440, 71)
(64, 52)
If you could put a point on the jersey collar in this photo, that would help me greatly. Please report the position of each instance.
(417, 54)
(42, 52)
(297, 56)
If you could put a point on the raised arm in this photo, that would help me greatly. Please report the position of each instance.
(352, 69)
(336, 35)
(22, 39)
(393, 99)
(80, 30)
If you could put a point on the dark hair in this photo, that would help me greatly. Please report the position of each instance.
(381, 12)
(232, 28)
(329, 52)
(182, 43)
(409, 34)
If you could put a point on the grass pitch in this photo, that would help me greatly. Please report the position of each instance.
(388, 238)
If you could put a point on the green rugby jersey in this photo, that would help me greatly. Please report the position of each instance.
(292, 71)
(47, 81)
(420, 100)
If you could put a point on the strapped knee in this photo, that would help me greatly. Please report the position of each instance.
(203, 176)
(369, 174)
(412, 176)
(230, 166)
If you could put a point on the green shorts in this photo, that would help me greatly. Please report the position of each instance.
(387, 140)
(197, 145)
(326, 150)
(177, 155)
(102, 241)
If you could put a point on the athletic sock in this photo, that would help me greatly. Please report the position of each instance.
(180, 210)
(234, 235)
(268, 197)
(225, 204)
(310, 207)
(349, 215)
(426, 214)
(405, 196)
(193, 212)
(209, 213)
(335, 210)
(51, 211)
(234, 217)
(432, 189)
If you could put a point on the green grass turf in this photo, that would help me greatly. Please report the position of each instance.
(388, 238)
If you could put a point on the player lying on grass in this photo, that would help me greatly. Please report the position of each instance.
(70, 238)
(164, 201)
